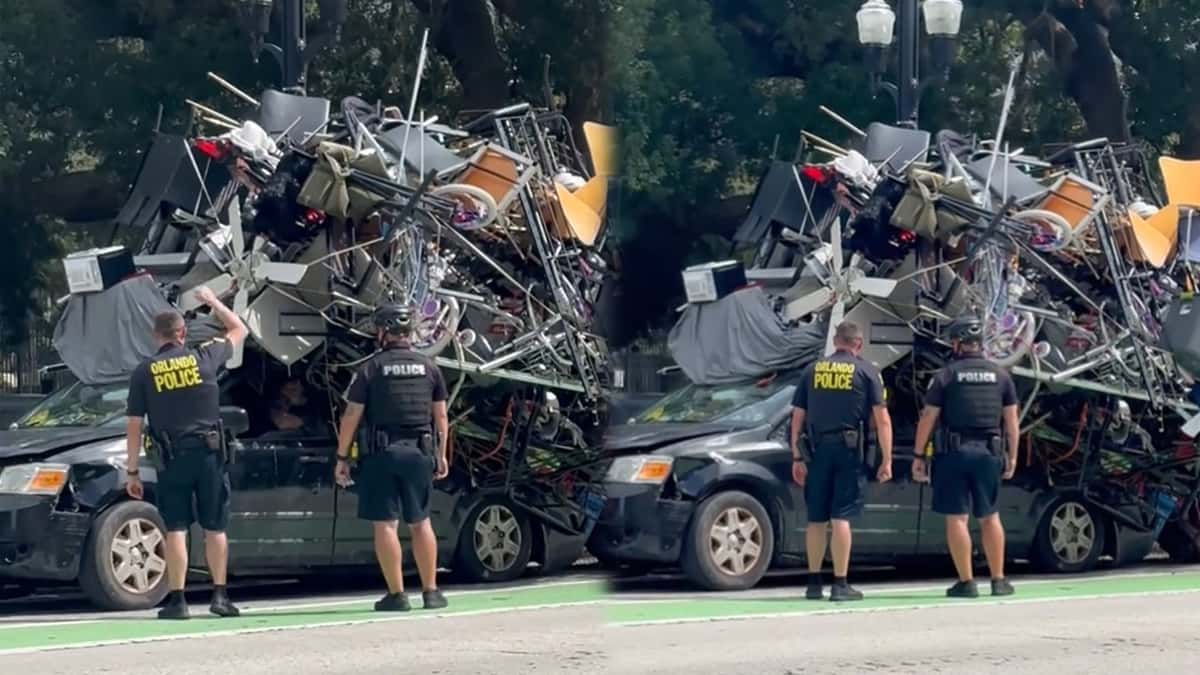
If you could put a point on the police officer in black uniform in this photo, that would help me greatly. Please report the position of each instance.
(177, 391)
(973, 398)
(837, 396)
(399, 391)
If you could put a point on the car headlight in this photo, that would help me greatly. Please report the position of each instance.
(650, 469)
(34, 479)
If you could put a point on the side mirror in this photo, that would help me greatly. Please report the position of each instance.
(235, 420)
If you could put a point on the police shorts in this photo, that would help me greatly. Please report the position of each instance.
(194, 488)
(966, 481)
(835, 484)
(396, 483)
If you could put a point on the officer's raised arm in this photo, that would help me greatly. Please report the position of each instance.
(235, 328)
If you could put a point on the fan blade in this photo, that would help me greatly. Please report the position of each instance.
(835, 239)
(284, 273)
(835, 318)
(240, 301)
(235, 226)
(220, 286)
(808, 304)
(874, 286)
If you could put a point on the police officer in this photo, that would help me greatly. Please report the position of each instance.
(399, 391)
(176, 390)
(972, 397)
(837, 396)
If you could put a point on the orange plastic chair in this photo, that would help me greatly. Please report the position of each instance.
(602, 146)
(1072, 200)
(1155, 237)
(1182, 178)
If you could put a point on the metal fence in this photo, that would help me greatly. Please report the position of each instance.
(638, 369)
(19, 366)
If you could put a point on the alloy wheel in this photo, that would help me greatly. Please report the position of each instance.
(735, 541)
(138, 556)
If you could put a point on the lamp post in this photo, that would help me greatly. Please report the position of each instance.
(296, 51)
(876, 24)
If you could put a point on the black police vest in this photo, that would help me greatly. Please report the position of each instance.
(974, 397)
(400, 392)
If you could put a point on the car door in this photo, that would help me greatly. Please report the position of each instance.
(252, 507)
(301, 506)
(354, 539)
(891, 519)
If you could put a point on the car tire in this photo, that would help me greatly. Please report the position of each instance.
(123, 564)
(717, 553)
(496, 542)
(1070, 538)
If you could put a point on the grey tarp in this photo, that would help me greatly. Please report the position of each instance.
(740, 337)
(103, 336)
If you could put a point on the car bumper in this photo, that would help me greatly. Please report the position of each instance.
(635, 525)
(38, 543)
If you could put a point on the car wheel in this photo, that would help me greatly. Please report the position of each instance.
(124, 563)
(730, 543)
(1070, 538)
(496, 542)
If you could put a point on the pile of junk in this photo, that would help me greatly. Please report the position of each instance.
(1084, 274)
(307, 214)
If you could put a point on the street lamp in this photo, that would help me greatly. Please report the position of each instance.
(295, 53)
(876, 27)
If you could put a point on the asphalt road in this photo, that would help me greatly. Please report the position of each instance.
(1140, 618)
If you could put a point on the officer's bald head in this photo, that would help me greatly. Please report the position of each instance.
(169, 327)
(848, 336)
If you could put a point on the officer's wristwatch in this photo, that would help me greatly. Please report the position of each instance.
(342, 458)
(133, 473)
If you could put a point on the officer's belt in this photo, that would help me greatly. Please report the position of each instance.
(819, 436)
(968, 435)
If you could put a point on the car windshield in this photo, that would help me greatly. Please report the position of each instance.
(78, 405)
(747, 403)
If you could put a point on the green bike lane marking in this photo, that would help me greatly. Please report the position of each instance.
(119, 630)
(657, 611)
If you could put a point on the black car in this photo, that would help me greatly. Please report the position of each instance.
(65, 518)
(703, 480)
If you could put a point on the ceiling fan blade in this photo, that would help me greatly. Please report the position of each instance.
(235, 226)
(284, 273)
(808, 304)
(835, 317)
(220, 286)
(876, 287)
(835, 240)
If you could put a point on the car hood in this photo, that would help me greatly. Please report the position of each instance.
(36, 444)
(626, 438)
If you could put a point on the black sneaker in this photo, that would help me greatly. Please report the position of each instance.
(816, 591)
(222, 607)
(393, 602)
(963, 589)
(847, 593)
(434, 599)
(177, 611)
(1002, 587)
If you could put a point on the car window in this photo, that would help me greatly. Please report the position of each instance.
(747, 403)
(78, 405)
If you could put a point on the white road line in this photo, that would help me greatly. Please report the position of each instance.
(415, 616)
(268, 610)
(892, 589)
(895, 608)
